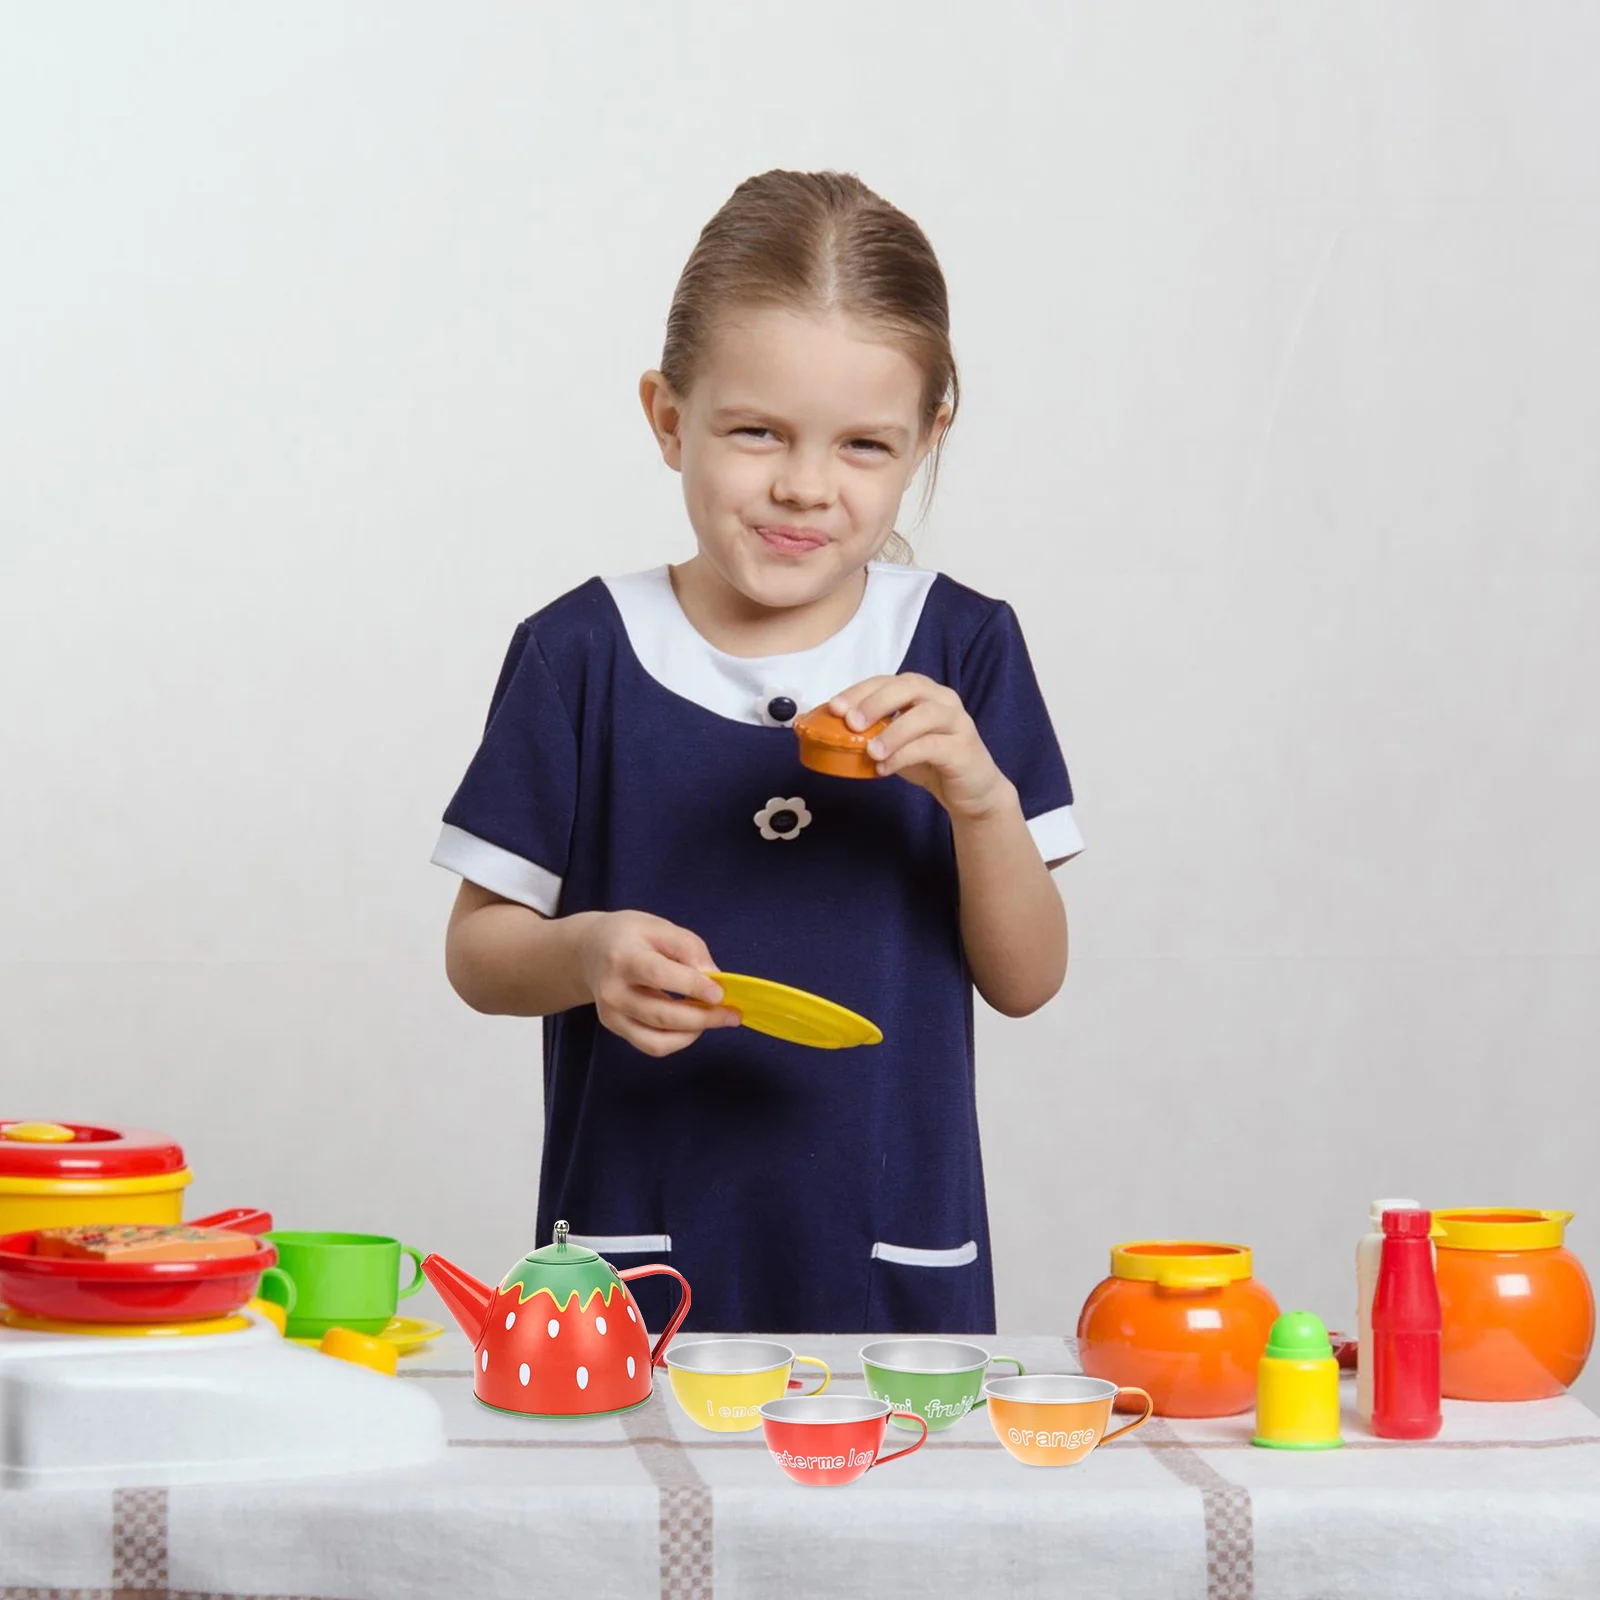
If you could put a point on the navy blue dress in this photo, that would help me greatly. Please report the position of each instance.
(628, 764)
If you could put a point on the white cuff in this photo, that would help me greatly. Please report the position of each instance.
(1056, 834)
(497, 870)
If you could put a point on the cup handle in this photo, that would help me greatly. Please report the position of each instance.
(910, 1449)
(416, 1277)
(1021, 1372)
(827, 1373)
(1138, 1422)
(677, 1316)
(283, 1283)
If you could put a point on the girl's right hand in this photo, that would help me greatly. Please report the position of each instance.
(636, 965)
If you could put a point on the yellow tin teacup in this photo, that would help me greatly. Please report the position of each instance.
(722, 1384)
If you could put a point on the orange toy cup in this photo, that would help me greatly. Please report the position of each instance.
(829, 744)
(1518, 1307)
(1182, 1320)
(1056, 1420)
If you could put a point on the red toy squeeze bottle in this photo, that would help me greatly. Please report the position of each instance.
(1407, 1329)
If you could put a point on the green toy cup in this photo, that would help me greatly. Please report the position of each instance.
(345, 1280)
(939, 1379)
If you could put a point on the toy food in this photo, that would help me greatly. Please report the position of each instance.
(56, 1174)
(561, 1336)
(132, 1241)
(1181, 1319)
(1518, 1307)
(117, 1290)
(829, 744)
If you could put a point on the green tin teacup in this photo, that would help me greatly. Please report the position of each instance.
(940, 1379)
(343, 1280)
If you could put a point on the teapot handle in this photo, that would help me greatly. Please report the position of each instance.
(677, 1316)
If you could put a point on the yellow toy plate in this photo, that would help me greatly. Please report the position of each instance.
(405, 1333)
(792, 1014)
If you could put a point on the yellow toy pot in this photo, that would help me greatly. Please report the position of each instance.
(62, 1174)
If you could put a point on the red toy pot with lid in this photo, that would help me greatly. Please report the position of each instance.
(60, 1174)
(561, 1336)
(1181, 1319)
(1518, 1306)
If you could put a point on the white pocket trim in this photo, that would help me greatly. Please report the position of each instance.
(904, 1256)
(624, 1243)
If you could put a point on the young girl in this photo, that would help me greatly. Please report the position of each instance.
(637, 816)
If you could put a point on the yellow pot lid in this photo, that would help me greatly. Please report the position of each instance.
(792, 1014)
(1181, 1263)
(37, 1133)
(1499, 1228)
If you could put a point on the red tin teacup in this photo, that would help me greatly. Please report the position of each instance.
(824, 1439)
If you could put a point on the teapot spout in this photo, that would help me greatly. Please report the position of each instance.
(467, 1299)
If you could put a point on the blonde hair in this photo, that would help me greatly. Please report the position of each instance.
(819, 242)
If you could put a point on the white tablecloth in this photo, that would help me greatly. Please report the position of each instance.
(1506, 1502)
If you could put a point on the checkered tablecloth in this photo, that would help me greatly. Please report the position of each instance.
(1505, 1503)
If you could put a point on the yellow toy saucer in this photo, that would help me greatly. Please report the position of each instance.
(406, 1334)
(124, 1330)
(794, 1015)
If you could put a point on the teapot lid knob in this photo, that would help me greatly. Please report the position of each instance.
(561, 1236)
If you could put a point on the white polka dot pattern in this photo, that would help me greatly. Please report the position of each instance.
(522, 1374)
(600, 1324)
(552, 1327)
(583, 1377)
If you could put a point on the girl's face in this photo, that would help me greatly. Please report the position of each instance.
(796, 445)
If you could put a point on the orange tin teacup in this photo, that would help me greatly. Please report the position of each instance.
(1056, 1419)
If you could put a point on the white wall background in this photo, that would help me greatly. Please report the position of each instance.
(319, 327)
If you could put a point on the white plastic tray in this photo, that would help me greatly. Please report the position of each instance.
(79, 1411)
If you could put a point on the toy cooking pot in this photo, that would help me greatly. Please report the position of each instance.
(1518, 1307)
(61, 1174)
(561, 1336)
(1184, 1321)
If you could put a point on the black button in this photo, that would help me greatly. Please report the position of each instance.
(783, 821)
(782, 709)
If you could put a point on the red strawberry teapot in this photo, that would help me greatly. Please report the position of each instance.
(561, 1336)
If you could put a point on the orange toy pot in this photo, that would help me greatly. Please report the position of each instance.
(1182, 1320)
(1518, 1307)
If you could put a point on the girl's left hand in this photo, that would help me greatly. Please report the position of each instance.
(931, 741)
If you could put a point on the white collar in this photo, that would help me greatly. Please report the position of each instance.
(875, 640)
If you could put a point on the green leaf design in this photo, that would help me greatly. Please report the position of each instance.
(580, 1282)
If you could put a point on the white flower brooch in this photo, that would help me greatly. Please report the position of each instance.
(783, 819)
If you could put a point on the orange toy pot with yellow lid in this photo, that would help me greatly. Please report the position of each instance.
(1518, 1306)
(1183, 1320)
(829, 744)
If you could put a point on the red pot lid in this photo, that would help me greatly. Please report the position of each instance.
(78, 1150)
